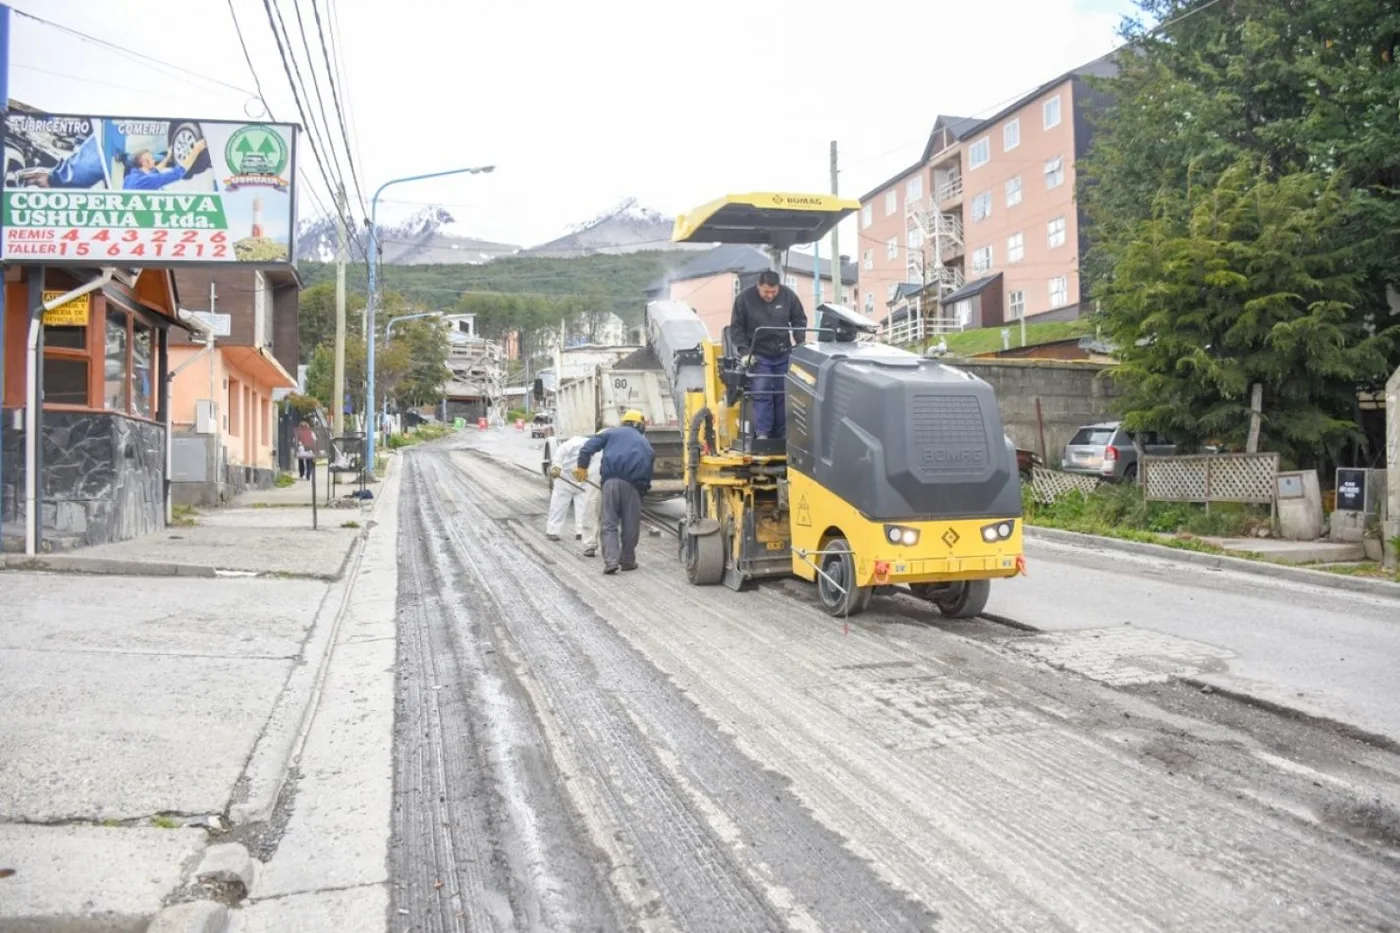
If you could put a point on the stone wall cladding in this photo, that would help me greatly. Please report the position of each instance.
(104, 477)
(1071, 395)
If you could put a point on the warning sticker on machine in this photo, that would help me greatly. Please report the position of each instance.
(804, 513)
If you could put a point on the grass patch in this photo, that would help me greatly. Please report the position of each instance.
(349, 524)
(1119, 511)
(183, 515)
(165, 822)
(1367, 568)
(428, 431)
(988, 339)
(284, 480)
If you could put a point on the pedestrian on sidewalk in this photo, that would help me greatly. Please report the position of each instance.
(306, 450)
(626, 473)
(567, 491)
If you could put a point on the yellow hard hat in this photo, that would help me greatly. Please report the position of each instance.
(633, 417)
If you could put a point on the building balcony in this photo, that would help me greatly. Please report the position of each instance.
(950, 192)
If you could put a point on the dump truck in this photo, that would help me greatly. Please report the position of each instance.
(597, 400)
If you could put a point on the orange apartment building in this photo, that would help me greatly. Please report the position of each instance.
(985, 227)
(709, 282)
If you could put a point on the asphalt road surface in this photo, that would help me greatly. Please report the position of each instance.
(580, 752)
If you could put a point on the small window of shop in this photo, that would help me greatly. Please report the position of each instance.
(66, 364)
(107, 364)
(129, 374)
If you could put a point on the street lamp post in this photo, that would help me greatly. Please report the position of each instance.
(372, 429)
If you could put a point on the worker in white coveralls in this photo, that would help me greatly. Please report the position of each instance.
(567, 492)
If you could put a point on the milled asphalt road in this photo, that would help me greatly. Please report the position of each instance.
(575, 751)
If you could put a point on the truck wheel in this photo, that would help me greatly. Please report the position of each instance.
(962, 600)
(704, 558)
(840, 565)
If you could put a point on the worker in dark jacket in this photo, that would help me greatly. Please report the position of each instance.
(765, 355)
(627, 466)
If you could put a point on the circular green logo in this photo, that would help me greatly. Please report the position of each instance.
(256, 149)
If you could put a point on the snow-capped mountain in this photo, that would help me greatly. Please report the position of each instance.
(627, 228)
(433, 236)
(430, 236)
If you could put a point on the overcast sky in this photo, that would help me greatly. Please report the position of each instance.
(580, 105)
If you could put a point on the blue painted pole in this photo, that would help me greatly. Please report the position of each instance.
(372, 413)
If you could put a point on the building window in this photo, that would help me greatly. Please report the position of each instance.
(1059, 292)
(67, 361)
(980, 152)
(891, 201)
(1055, 232)
(869, 303)
(982, 206)
(889, 292)
(892, 247)
(1018, 304)
(142, 378)
(790, 281)
(1013, 191)
(1015, 248)
(867, 215)
(235, 407)
(1054, 172)
(115, 368)
(916, 238)
(1011, 136)
(1051, 110)
(65, 380)
(963, 312)
(982, 259)
(869, 262)
(914, 189)
(738, 285)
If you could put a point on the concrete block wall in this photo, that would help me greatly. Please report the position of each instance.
(1071, 394)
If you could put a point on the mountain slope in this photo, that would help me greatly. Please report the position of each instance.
(627, 228)
(431, 236)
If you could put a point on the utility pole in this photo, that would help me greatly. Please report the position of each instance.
(838, 297)
(338, 393)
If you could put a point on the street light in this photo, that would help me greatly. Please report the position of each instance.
(370, 412)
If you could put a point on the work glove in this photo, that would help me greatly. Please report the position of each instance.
(555, 472)
(747, 360)
(581, 474)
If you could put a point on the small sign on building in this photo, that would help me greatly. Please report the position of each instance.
(221, 323)
(75, 313)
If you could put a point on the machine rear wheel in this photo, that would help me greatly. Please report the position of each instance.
(840, 565)
(960, 600)
(704, 558)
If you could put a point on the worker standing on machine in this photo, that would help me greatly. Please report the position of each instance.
(566, 492)
(765, 355)
(627, 465)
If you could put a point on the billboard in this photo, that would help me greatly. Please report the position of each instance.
(142, 192)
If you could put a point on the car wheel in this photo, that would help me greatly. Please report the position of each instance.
(182, 138)
(836, 583)
(1130, 473)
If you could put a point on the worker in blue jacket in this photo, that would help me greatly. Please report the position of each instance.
(627, 465)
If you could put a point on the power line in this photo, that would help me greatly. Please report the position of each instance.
(340, 111)
(257, 83)
(320, 100)
(311, 136)
(338, 46)
(149, 60)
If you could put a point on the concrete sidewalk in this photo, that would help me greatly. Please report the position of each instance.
(142, 709)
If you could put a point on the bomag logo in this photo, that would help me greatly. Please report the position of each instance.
(797, 201)
(953, 456)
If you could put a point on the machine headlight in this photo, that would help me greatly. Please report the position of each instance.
(898, 534)
(998, 532)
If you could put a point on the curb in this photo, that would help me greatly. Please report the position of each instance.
(1259, 568)
(265, 773)
(106, 566)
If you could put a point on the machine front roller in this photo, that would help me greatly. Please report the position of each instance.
(962, 600)
(703, 551)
